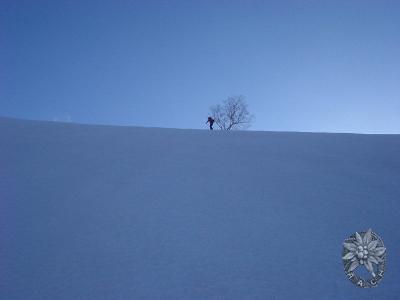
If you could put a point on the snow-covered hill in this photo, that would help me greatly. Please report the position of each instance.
(103, 212)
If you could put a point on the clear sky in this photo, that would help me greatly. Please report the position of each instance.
(302, 65)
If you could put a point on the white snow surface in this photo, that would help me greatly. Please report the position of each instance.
(106, 212)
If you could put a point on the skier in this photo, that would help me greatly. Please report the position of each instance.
(211, 121)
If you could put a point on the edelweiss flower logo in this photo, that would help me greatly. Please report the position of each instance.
(365, 249)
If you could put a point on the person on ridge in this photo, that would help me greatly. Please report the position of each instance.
(211, 121)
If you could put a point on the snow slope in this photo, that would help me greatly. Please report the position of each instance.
(103, 212)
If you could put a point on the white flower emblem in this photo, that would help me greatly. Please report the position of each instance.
(365, 249)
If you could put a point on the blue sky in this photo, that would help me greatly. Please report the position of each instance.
(302, 65)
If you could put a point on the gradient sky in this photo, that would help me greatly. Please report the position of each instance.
(302, 65)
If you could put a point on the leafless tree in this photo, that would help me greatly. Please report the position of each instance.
(232, 114)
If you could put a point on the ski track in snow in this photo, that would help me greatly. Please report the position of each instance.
(103, 212)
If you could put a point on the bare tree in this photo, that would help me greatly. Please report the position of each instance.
(232, 114)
